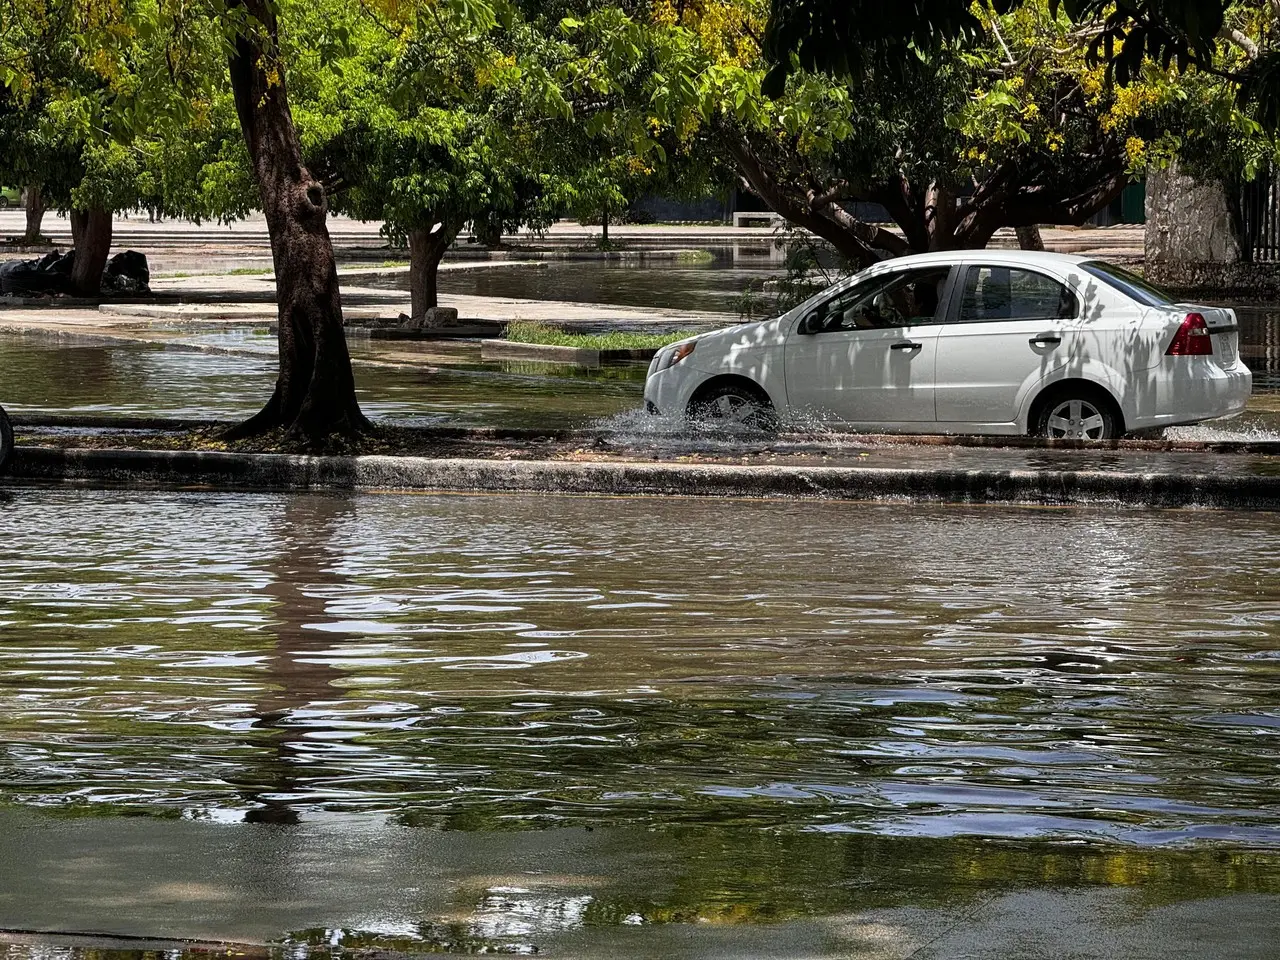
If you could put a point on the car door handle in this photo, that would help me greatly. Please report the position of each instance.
(1045, 340)
(904, 345)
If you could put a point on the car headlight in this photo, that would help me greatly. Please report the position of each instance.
(672, 356)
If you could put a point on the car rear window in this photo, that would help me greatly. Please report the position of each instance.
(1007, 293)
(1127, 283)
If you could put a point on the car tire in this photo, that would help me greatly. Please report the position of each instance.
(6, 439)
(1077, 415)
(4, 202)
(734, 404)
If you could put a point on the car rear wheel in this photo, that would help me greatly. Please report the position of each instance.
(4, 201)
(1073, 417)
(734, 404)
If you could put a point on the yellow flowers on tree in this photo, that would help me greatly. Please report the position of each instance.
(981, 121)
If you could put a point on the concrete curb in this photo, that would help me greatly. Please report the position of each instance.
(815, 441)
(612, 478)
(554, 353)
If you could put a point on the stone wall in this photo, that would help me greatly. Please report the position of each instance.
(1211, 280)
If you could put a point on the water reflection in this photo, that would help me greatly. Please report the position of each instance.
(299, 674)
(486, 661)
(713, 279)
(800, 715)
(43, 375)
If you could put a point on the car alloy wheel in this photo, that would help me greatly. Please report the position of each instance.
(1077, 419)
(733, 405)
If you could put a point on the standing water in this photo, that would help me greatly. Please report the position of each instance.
(760, 711)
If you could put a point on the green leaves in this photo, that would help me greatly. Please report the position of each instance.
(1260, 89)
(847, 38)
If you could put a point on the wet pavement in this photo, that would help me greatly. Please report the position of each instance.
(355, 885)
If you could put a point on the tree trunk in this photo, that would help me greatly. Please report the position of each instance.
(1190, 220)
(35, 214)
(939, 217)
(315, 395)
(604, 228)
(426, 249)
(91, 230)
(1029, 238)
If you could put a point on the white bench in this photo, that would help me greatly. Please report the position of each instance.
(757, 218)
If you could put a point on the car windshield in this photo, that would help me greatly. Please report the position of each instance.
(1127, 283)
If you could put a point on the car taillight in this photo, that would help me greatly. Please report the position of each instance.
(1192, 339)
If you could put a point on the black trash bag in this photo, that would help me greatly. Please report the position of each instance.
(127, 272)
(45, 275)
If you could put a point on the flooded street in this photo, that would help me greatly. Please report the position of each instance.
(304, 725)
(714, 279)
(46, 375)
(579, 714)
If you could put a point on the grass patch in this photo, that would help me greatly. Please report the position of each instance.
(525, 331)
(395, 263)
(249, 272)
(695, 256)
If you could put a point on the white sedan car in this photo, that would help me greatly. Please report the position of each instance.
(974, 341)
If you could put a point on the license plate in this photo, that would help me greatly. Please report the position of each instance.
(1226, 348)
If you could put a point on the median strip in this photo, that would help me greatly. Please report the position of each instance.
(622, 478)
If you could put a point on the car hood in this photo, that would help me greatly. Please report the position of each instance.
(750, 334)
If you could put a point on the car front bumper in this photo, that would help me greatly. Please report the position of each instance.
(667, 392)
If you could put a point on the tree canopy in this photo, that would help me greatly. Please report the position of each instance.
(846, 37)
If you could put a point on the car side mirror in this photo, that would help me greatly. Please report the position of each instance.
(810, 325)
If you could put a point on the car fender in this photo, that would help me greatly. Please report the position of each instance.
(754, 351)
(1094, 371)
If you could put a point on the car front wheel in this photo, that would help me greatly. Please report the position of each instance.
(1076, 418)
(731, 404)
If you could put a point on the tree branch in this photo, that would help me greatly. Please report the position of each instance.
(1241, 40)
(854, 239)
(1031, 204)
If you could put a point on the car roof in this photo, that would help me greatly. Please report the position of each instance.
(948, 257)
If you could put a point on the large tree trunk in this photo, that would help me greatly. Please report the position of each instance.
(426, 249)
(35, 214)
(315, 394)
(1029, 237)
(91, 231)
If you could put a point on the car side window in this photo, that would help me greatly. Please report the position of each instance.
(1007, 293)
(900, 299)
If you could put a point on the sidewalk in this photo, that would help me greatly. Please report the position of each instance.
(1124, 240)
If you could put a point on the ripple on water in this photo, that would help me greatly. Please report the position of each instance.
(839, 667)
